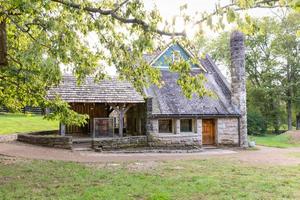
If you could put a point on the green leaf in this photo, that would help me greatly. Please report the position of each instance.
(230, 15)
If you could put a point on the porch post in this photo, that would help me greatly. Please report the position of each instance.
(139, 121)
(62, 129)
(121, 125)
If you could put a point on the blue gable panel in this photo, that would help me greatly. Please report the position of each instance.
(168, 54)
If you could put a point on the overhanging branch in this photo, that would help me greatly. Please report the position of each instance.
(112, 13)
(260, 4)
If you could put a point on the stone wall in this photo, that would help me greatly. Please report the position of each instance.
(8, 138)
(183, 140)
(227, 131)
(175, 139)
(120, 142)
(47, 140)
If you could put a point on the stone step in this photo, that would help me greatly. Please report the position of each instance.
(82, 149)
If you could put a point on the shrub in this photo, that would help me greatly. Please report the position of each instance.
(256, 123)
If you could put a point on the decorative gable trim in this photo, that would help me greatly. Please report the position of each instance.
(189, 53)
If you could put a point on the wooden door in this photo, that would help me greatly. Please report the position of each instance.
(208, 131)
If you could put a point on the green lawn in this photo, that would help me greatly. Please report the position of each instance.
(280, 141)
(198, 179)
(20, 123)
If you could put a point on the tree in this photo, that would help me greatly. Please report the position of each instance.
(272, 65)
(286, 47)
(37, 37)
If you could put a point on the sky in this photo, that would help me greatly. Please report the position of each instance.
(170, 8)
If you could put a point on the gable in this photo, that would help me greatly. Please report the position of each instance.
(161, 61)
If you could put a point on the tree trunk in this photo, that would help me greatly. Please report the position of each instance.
(289, 96)
(276, 123)
(289, 113)
(3, 44)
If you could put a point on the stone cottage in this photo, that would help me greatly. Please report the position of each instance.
(165, 118)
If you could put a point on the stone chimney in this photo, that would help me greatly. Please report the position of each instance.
(238, 82)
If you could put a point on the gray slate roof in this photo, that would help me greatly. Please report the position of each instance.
(170, 101)
(106, 91)
(166, 101)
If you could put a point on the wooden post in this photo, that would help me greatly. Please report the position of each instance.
(62, 129)
(121, 124)
(121, 109)
(139, 125)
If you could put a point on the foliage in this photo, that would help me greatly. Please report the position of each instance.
(272, 65)
(38, 37)
(60, 110)
(23, 123)
(256, 123)
(195, 179)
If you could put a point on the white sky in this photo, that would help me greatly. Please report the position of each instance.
(170, 8)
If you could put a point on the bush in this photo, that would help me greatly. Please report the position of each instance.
(256, 124)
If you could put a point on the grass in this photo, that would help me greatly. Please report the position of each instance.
(198, 179)
(21, 123)
(280, 141)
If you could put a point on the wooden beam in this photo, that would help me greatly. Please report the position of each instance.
(121, 109)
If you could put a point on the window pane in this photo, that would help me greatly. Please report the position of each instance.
(165, 125)
(186, 125)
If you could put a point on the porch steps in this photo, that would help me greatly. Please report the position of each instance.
(82, 149)
(82, 144)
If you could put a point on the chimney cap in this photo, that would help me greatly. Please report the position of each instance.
(237, 35)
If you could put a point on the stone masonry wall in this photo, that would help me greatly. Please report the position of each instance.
(120, 142)
(227, 131)
(238, 81)
(8, 138)
(57, 141)
(175, 140)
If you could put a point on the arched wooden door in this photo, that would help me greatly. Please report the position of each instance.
(208, 131)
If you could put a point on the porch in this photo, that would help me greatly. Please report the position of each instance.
(107, 120)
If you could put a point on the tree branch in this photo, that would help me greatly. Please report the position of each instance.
(112, 13)
(3, 43)
(260, 4)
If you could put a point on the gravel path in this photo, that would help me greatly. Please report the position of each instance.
(265, 155)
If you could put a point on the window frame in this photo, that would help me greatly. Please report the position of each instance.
(176, 56)
(191, 124)
(170, 128)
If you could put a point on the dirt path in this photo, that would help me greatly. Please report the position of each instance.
(265, 155)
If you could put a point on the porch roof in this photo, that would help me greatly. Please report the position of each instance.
(106, 91)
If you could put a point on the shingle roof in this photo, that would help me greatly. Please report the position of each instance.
(169, 99)
(106, 91)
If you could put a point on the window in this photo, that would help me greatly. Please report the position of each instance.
(186, 125)
(175, 56)
(165, 125)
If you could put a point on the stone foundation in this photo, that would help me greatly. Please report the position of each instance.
(46, 139)
(188, 140)
(227, 131)
(120, 142)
